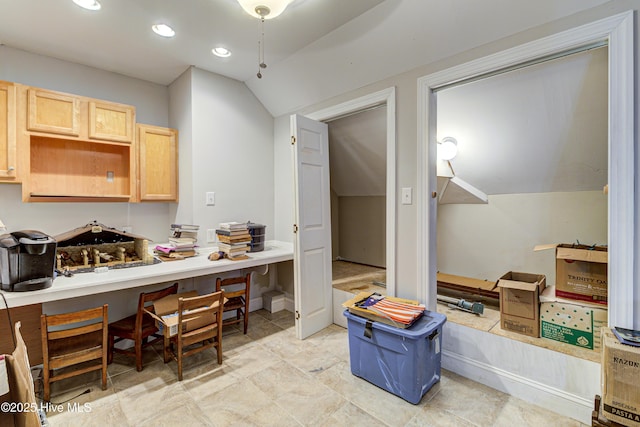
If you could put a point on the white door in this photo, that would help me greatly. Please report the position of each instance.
(312, 240)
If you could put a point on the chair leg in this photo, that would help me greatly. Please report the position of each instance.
(165, 350)
(219, 345)
(179, 360)
(138, 349)
(110, 344)
(246, 320)
(47, 384)
(104, 374)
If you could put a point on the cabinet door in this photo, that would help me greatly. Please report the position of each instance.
(53, 112)
(158, 171)
(111, 122)
(7, 131)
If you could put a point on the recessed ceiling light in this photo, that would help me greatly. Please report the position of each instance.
(163, 30)
(222, 52)
(88, 4)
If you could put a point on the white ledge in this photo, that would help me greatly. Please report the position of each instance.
(83, 284)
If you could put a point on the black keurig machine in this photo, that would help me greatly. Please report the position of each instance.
(27, 261)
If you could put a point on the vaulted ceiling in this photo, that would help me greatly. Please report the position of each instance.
(535, 130)
(314, 50)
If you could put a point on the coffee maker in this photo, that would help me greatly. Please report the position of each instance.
(27, 261)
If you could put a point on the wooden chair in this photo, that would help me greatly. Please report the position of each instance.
(238, 300)
(199, 328)
(84, 340)
(138, 327)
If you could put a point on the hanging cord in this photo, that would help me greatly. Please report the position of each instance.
(13, 334)
(261, 64)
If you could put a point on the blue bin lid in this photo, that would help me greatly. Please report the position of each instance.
(422, 327)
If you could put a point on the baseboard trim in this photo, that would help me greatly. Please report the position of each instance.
(289, 304)
(554, 399)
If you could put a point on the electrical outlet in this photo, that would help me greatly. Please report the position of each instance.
(211, 198)
(407, 196)
(211, 235)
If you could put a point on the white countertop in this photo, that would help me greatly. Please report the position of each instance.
(83, 284)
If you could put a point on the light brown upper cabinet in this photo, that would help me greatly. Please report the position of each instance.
(75, 149)
(158, 163)
(8, 157)
(53, 112)
(111, 122)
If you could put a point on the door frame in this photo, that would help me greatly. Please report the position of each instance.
(617, 31)
(388, 97)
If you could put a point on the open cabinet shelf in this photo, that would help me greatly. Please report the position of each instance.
(65, 170)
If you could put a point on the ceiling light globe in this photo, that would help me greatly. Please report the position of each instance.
(274, 7)
(88, 4)
(447, 148)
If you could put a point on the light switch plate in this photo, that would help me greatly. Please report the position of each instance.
(211, 198)
(407, 196)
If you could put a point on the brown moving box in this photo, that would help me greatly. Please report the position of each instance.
(620, 380)
(166, 314)
(17, 393)
(519, 303)
(571, 322)
(581, 271)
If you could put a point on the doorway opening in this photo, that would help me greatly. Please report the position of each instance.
(617, 32)
(534, 140)
(358, 172)
(499, 369)
(362, 149)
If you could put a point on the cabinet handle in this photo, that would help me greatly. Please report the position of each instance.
(11, 168)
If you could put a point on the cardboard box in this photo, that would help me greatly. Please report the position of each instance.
(581, 272)
(166, 314)
(620, 385)
(570, 322)
(519, 302)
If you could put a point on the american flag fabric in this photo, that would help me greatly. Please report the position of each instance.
(397, 311)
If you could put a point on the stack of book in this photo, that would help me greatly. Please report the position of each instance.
(184, 236)
(182, 242)
(234, 239)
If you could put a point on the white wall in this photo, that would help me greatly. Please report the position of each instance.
(407, 282)
(181, 118)
(150, 99)
(225, 145)
(151, 102)
(231, 154)
(406, 113)
(486, 241)
(362, 228)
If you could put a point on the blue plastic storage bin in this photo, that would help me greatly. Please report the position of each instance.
(405, 362)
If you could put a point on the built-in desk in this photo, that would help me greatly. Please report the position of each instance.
(27, 306)
(83, 284)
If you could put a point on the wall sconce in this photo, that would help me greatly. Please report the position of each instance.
(447, 148)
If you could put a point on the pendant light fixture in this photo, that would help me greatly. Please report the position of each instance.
(263, 9)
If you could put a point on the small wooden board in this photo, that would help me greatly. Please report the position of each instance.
(468, 284)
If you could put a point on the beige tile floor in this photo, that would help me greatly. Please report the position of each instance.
(270, 378)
